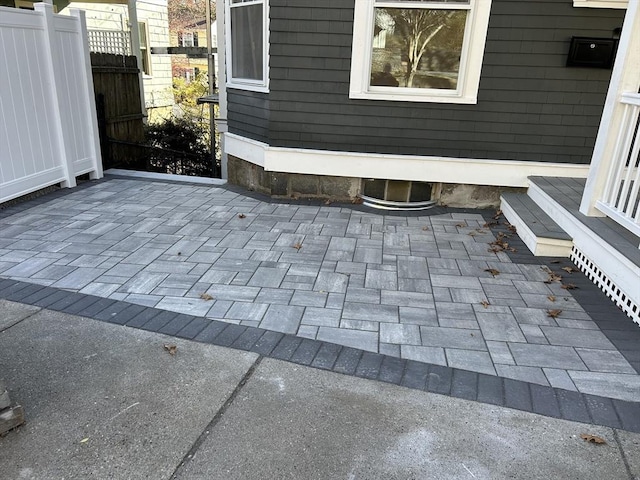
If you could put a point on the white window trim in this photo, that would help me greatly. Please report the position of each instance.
(601, 3)
(470, 62)
(246, 83)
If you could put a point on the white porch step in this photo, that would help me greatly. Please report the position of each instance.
(539, 232)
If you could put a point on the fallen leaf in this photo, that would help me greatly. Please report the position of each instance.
(492, 271)
(569, 269)
(553, 313)
(484, 303)
(512, 228)
(472, 234)
(479, 230)
(426, 229)
(569, 286)
(327, 202)
(170, 348)
(84, 440)
(593, 439)
(461, 225)
(552, 298)
(357, 201)
(206, 296)
(497, 215)
(242, 215)
(297, 246)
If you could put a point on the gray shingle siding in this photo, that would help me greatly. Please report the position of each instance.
(530, 106)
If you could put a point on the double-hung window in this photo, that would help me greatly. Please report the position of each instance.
(247, 44)
(418, 50)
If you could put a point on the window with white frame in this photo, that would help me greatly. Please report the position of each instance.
(188, 39)
(145, 54)
(418, 50)
(247, 44)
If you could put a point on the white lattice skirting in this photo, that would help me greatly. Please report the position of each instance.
(612, 291)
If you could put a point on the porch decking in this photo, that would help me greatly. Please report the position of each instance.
(605, 251)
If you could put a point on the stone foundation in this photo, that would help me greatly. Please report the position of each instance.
(293, 185)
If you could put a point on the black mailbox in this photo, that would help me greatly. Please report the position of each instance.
(592, 52)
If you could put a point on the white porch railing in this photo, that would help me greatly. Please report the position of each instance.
(621, 195)
(48, 126)
(117, 42)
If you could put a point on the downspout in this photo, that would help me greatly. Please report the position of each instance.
(135, 47)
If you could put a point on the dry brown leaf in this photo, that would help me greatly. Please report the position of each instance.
(171, 348)
(327, 202)
(484, 303)
(479, 230)
(206, 296)
(297, 246)
(472, 234)
(461, 225)
(569, 269)
(357, 201)
(512, 228)
(593, 439)
(492, 271)
(569, 286)
(552, 298)
(242, 215)
(497, 215)
(426, 229)
(553, 313)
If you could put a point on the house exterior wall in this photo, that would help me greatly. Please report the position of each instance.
(531, 107)
(157, 86)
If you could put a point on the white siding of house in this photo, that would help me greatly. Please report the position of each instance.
(157, 86)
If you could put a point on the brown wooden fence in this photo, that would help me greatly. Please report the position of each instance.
(120, 117)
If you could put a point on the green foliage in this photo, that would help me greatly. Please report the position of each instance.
(187, 93)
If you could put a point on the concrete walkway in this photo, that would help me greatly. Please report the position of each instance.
(430, 287)
(107, 401)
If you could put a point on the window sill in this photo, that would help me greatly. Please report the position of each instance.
(248, 87)
(391, 97)
(601, 3)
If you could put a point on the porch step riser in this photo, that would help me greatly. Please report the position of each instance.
(540, 246)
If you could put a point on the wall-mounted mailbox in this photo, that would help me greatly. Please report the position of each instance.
(592, 52)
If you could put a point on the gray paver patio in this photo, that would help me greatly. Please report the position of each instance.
(418, 287)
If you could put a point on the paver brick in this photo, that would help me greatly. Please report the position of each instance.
(326, 356)
(347, 360)
(306, 351)
(286, 348)
(517, 395)
(573, 406)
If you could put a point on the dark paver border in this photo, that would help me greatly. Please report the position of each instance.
(610, 319)
(453, 382)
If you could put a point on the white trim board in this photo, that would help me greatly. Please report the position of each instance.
(472, 171)
(169, 177)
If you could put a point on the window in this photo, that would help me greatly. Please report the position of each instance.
(188, 39)
(145, 54)
(247, 44)
(418, 50)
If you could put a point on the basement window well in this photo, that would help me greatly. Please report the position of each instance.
(396, 194)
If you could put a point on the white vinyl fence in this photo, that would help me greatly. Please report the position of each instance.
(48, 123)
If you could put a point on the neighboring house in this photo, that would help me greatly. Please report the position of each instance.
(110, 29)
(453, 103)
(188, 36)
(104, 19)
